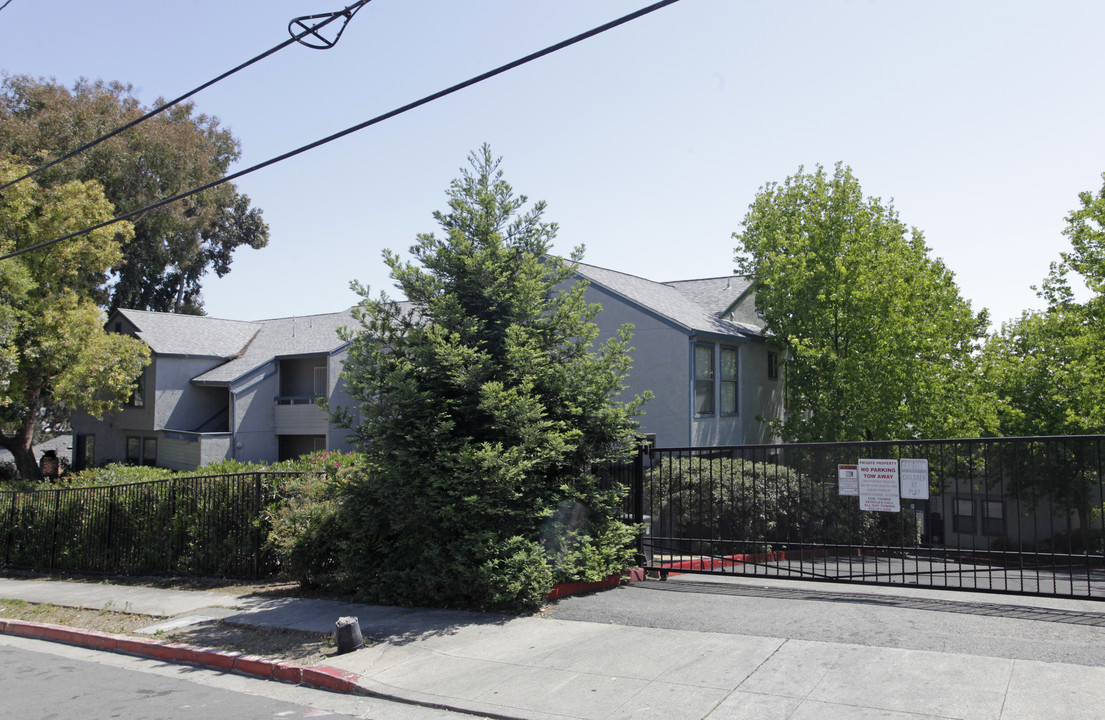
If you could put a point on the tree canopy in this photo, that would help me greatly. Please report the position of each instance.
(1047, 368)
(878, 339)
(162, 268)
(54, 348)
(486, 407)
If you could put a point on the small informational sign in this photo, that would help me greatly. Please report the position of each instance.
(848, 479)
(878, 485)
(915, 479)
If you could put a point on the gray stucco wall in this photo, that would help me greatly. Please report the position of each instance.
(252, 423)
(337, 437)
(180, 405)
(763, 395)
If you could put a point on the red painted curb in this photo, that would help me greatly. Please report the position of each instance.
(578, 588)
(329, 678)
(254, 665)
(320, 676)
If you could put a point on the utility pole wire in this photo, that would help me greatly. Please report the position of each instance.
(320, 44)
(355, 128)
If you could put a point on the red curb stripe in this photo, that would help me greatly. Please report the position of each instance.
(218, 659)
(322, 676)
(578, 588)
(330, 678)
(254, 665)
(288, 673)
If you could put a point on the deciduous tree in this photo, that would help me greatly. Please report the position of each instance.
(162, 268)
(878, 339)
(485, 411)
(54, 347)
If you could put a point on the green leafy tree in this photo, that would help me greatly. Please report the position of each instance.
(1047, 368)
(878, 340)
(162, 268)
(1047, 371)
(1086, 232)
(485, 405)
(55, 349)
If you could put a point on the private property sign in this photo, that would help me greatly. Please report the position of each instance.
(878, 485)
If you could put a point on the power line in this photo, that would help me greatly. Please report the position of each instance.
(9, 2)
(356, 128)
(317, 42)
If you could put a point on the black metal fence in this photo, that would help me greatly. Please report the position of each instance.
(197, 526)
(1013, 515)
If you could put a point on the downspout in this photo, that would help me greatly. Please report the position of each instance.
(691, 390)
(233, 424)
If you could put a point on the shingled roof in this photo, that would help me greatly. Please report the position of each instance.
(245, 346)
(694, 305)
(192, 335)
(283, 337)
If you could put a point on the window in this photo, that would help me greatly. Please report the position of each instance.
(138, 397)
(320, 381)
(703, 379)
(729, 381)
(993, 517)
(142, 451)
(772, 366)
(85, 455)
(963, 517)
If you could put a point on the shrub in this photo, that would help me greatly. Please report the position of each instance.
(305, 532)
(731, 505)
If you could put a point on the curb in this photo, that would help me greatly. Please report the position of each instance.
(321, 677)
(568, 589)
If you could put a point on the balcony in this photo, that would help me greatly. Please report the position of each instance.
(299, 415)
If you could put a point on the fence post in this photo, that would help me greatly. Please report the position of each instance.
(54, 537)
(639, 499)
(111, 528)
(11, 531)
(257, 526)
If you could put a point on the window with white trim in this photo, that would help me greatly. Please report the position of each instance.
(729, 381)
(703, 379)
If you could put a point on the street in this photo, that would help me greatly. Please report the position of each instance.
(1000, 626)
(49, 681)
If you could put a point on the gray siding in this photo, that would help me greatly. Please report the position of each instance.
(660, 358)
(178, 453)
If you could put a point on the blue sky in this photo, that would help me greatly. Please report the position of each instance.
(982, 120)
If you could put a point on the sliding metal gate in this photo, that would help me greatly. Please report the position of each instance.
(1009, 515)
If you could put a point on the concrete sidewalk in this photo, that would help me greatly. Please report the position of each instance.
(544, 667)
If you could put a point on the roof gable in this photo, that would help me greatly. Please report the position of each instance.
(284, 337)
(193, 335)
(693, 305)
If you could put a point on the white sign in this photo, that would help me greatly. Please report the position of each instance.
(878, 485)
(848, 479)
(915, 479)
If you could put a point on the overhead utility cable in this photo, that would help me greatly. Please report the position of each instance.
(367, 123)
(301, 32)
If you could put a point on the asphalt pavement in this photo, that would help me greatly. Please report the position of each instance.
(696, 647)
